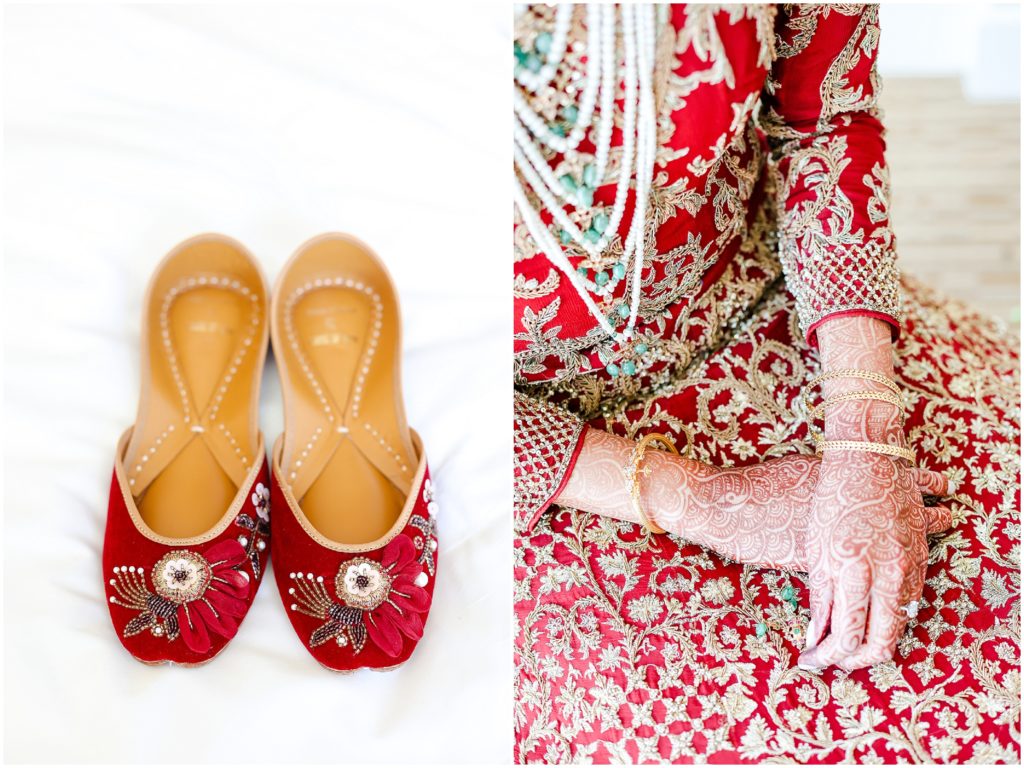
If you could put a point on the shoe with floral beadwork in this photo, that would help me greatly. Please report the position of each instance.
(354, 526)
(188, 523)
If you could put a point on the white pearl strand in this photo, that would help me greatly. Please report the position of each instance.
(533, 82)
(545, 241)
(608, 68)
(632, 133)
(538, 126)
(645, 149)
(554, 186)
(639, 41)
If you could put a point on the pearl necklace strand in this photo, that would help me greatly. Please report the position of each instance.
(639, 134)
(553, 187)
(534, 82)
(538, 126)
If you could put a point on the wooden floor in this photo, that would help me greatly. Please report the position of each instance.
(955, 169)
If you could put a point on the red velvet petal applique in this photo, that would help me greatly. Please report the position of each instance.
(410, 598)
(232, 582)
(384, 631)
(226, 554)
(193, 630)
(218, 623)
(399, 553)
(226, 605)
(412, 627)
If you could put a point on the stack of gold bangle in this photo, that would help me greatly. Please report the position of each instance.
(633, 471)
(893, 397)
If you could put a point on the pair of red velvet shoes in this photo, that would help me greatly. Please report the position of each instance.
(190, 520)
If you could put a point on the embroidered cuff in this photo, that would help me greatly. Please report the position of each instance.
(830, 280)
(546, 443)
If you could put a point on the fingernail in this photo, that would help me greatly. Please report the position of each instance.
(808, 662)
(812, 636)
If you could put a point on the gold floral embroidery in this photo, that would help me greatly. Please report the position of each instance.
(634, 649)
(601, 604)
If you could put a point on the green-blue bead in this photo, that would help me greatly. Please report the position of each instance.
(761, 629)
(589, 175)
(619, 270)
(613, 369)
(533, 62)
(600, 224)
(582, 271)
(623, 311)
(570, 113)
(787, 593)
(564, 236)
(520, 54)
(543, 42)
(568, 182)
(601, 277)
(592, 235)
(558, 130)
(641, 348)
(629, 367)
(586, 196)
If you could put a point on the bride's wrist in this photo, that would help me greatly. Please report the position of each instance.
(659, 482)
(673, 497)
(865, 421)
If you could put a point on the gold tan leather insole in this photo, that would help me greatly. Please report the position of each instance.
(347, 452)
(204, 341)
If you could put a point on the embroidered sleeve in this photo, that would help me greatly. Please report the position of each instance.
(820, 114)
(546, 442)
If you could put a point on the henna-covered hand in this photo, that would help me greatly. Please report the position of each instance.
(866, 543)
(867, 554)
(759, 514)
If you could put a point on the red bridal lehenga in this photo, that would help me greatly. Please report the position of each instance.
(767, 213)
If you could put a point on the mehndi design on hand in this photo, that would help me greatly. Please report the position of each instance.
(759, 514)
(866, 541)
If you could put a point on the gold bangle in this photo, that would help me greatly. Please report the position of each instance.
(884, 397)
(633, 471)
(855, 373)
(867, 447)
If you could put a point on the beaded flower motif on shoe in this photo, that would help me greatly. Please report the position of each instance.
(379, 601)
(193, 595)
(261, 502)
(258, 527)
(427, 542)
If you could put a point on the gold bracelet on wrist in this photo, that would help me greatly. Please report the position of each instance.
(856, 373)
(867, 447)
(817, 411)
(633, 472)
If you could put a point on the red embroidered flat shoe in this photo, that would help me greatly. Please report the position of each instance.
(354, 528)
(188, 523)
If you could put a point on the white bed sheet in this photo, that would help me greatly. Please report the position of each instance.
(129, 128)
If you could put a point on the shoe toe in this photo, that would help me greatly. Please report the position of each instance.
(358, 608)
(182, 601)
